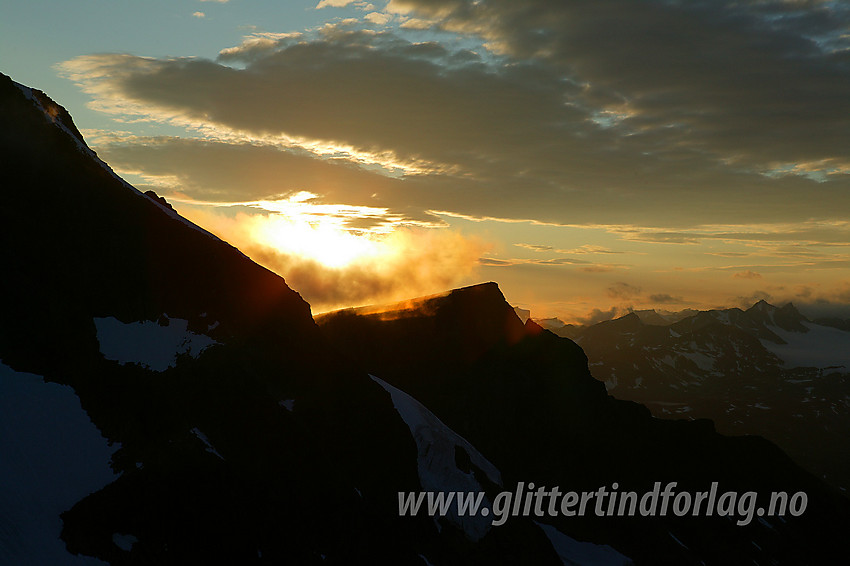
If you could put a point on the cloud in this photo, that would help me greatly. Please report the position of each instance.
(590, 249)
(377, 18)
(558, 261)
(747, 275)
(233, 171)
(416, 23)
(656, 237)
(535, 247)
(403, 263)
(747, 301)
(664, 298)
(199, 15)
(585, 249)
(494, 262)
(622, 290)
(333, 4)
(604, 112)
(709, 76)
(597, 315)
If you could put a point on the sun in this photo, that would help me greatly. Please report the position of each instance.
(320, 239)
(335, 236)
(303, 226)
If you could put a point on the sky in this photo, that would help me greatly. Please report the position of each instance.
(592, 156)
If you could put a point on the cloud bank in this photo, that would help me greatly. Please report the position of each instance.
(650, 113)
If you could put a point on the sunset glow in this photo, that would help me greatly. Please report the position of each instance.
(318, 232)
(321, 241)
(592, 162)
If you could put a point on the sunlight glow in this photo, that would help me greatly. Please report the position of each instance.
(321, 231)
(322, 240)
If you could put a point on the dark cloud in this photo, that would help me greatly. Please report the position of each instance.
(757, 82)
(664, 237)
(223, 172)
(640, 113)
(227, 172)
(493, 262)
(622, 290)
(664, 298)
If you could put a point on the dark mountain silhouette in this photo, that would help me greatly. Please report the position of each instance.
(241, 432)
(254, 442)
(529, 402)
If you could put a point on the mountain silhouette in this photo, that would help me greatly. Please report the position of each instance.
(194, 412)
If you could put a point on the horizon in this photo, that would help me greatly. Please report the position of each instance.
(591, 159)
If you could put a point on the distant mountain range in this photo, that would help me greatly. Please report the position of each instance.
(766, 370)
(166, 400)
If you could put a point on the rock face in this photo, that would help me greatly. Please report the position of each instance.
(242, 432)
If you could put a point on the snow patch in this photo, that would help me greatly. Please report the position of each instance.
(677, 540)
(819, 347)
(51, 457)
(124, 542)
(723, 318)
(203, 438)
(436, 444)
(702, 361)
(147, 343)
(572, 552)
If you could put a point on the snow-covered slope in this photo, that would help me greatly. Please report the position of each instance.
(52, 456)
(436, 444)
(819, 347)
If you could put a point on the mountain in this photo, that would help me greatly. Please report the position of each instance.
(651, 317)
(766, 370)
(168, 401)
(173, 401)
(180, 351)
(527, 400)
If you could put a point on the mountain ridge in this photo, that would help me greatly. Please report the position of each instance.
(765, 370)
(274, 443)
